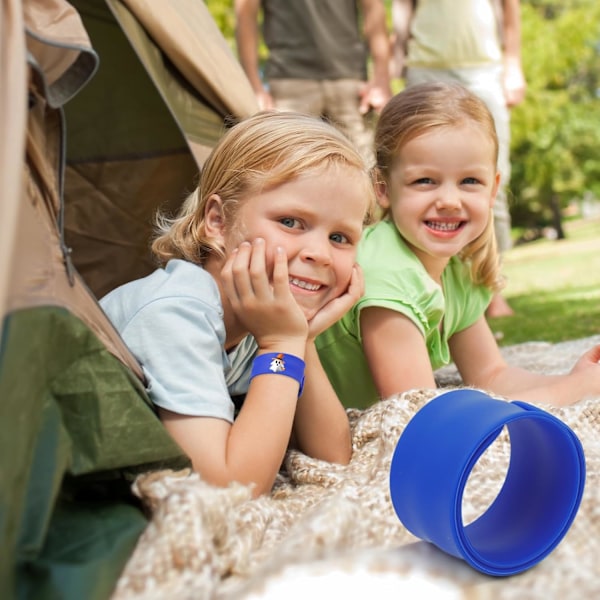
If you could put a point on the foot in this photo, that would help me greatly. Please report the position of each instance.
(499, 307)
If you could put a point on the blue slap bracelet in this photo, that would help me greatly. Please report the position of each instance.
(539, 498)
(279, 364)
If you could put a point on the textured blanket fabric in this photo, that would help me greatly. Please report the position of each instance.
(329, 529)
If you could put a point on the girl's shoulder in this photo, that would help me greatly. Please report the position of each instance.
(381, 241)
(394, 276)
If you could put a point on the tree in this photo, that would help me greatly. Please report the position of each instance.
(556, 131)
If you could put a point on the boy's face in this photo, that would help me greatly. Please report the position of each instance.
(317, 220)
(440, 191)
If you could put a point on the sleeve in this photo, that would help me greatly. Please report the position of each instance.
(469, 304)
(406, 291)
(179, 342)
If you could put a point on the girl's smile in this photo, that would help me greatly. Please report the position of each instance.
(445, 228)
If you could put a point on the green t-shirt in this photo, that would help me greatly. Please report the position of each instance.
(397, 280)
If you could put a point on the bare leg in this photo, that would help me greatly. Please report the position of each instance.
(499, 307)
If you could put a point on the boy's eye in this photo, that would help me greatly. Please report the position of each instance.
(289, 222)
(424, 181)
(339, 238)
(470, 180)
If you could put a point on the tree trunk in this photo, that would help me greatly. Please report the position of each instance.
(557, 217)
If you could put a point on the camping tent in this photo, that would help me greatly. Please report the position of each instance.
(107, 110)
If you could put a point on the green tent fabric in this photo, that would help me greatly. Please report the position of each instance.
(81, 176)
(81, 427)
(166, 85)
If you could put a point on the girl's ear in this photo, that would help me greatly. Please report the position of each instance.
(381, 191)
(495, 188)
(214, 219)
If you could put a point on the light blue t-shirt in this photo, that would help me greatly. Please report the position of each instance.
(172, 321)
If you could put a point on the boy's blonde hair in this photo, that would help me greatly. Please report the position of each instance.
(258, 154)
(420, 109)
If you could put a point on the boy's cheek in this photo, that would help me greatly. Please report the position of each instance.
(348, 270)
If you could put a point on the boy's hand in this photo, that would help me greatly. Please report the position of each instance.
(335, 309)
(268, 310)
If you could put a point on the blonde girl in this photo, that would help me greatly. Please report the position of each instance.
(431, 265)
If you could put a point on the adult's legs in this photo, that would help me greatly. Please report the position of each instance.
(342, 108)
(299, 95)
(335, 100)
(487, 84)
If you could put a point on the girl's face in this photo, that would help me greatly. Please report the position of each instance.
(440, 191)
(317, 219)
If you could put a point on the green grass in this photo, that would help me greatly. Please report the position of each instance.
(553, 287)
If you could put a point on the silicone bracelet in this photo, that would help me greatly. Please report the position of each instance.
(539, 498)
(279, 364)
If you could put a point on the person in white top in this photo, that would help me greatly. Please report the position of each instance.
(478, 44)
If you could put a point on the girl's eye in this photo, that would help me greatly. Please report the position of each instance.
(470, 180)
(289, 222)
(424, 181)
(339, 238)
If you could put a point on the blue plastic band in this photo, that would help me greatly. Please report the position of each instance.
(539, 498)
(279, 364)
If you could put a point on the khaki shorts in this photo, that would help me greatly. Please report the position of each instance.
(336, 100)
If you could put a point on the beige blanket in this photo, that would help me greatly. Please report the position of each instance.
(329, 530)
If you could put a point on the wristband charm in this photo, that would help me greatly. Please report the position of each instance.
(279, 364)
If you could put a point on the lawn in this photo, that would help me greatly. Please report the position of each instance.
(554, 287)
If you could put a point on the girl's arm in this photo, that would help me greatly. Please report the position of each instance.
(396, 352)
(480, 363)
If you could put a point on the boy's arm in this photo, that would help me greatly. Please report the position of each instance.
(321, 426)
(251, 449)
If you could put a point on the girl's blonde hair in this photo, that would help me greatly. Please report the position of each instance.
(258, 154)
(420, 109)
